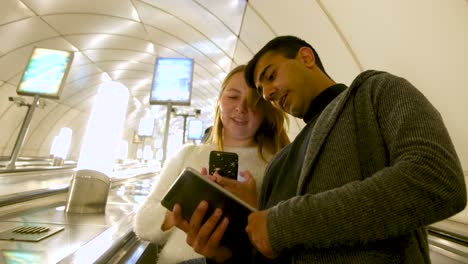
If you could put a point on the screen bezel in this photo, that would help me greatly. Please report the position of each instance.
(56, 95)
(155, 87)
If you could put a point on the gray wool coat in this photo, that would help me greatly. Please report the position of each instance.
(379, 168)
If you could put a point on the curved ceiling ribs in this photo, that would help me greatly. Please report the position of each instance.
(422, 42)
(71, 25)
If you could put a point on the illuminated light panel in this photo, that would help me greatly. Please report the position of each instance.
(123, 150)
(150, 48)
(61, 143)
(105, 128)
(147, 153)
(146, 126)
(105, 77)
(139, 153)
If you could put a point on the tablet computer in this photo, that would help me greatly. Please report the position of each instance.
(190, 188)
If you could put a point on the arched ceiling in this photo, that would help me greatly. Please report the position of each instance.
(424, 41)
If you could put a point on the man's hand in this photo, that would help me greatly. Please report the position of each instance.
(246, 190)
(258, 233)
(204, 238)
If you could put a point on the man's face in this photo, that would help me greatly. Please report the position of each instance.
(284, 82)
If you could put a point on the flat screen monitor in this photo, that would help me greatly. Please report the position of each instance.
(172, 81)
(45, 73)
(195, 129)
(146, 127)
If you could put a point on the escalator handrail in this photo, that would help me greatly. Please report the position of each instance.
(30, 195)
(461, 239)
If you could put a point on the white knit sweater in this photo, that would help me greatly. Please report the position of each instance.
(151, 214)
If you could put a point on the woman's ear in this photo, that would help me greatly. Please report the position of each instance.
(306, 55)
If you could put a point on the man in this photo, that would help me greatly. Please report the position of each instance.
(373, 166)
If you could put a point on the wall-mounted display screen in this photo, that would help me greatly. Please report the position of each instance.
(195, 129)
(172, 81)
(45, 73)
(146, 127)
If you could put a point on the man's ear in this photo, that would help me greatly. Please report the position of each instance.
(306, 55)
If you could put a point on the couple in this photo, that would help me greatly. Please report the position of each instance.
(372, 167)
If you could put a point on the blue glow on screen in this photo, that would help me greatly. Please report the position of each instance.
(172, 81)
(45, 72)
(195, 129)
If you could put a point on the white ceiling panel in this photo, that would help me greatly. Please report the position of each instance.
(65, 120)
(80, 96)
(85, 104)
(12, 11)
(427, 45)
(177, 33)
(105, 41)
(257, 33)
(125, 65)
(242, 54)
(200, 19)
(83, 82)
(13, 63)
(387, 45)
(168, 53)
(95, 24)
(82, 71)
(336, 56)
(137, 84)
(78, 86)
(120, 55)
(117, 8)
(10, 127)
(45, 119)
(80, 59)
(184, 49)
(24, 32)
(229, 12)
(129, 74)
(6, 90)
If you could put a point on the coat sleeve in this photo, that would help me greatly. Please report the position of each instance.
(151, 214)
(422, 183)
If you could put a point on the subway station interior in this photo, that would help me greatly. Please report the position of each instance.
(98, 130)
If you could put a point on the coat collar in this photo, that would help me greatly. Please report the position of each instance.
(324, 124)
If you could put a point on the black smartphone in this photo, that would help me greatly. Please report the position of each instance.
(226, 163)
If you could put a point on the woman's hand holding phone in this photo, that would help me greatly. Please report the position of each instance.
(246, 190)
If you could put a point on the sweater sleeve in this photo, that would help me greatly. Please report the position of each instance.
(422, 184)
(151, 214)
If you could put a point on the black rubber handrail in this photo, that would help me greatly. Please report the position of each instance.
(116, 247)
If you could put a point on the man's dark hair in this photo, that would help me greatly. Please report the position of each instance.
(288, 46)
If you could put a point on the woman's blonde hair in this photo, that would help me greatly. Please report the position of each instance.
(271, 136)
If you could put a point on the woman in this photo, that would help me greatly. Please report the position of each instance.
(244, 124)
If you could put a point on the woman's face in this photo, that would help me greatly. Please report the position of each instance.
(239, 120)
